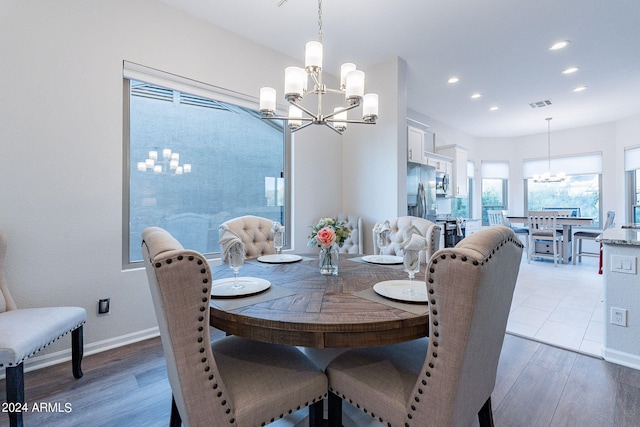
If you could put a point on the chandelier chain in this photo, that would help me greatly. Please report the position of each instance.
(320, 21)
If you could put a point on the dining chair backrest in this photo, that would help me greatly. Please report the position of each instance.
(255, 233)
(399, 228)
(354, 244)
(543, 222)
(496, 217)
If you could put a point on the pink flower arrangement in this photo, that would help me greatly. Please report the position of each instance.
(326, 237)
(327, 232)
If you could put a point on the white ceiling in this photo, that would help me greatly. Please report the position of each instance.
(496, 47)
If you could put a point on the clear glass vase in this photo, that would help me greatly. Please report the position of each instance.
(328, 260)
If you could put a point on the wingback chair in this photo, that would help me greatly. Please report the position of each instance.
(255, 233)
(234, 381)
(354, 243)
(25, 331)
(446, 379)
(399, 228)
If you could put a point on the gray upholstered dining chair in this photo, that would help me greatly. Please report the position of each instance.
(234, 381)
(25, 331)
(398, 234)
(255, 233)
(446, 379)
(354, 244)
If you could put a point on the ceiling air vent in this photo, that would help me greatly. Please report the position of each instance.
(540, 104)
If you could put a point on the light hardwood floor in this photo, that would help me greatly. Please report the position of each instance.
(537, 385)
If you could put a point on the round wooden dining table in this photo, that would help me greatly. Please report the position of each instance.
(312, 310)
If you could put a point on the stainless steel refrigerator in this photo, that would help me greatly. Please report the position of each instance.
(421, 191)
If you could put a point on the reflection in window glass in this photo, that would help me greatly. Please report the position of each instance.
(236, 163)
(576, 191)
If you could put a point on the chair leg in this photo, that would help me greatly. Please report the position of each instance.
(77, 351)
(485, 416)
(174, 420)
(335, 410)
(316, 413)
(15, 392)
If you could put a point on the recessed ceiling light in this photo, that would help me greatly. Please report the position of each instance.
(559, 45)
(494, 108)
(476, 96)
(580, 88)
(453, 80)
(570, 70)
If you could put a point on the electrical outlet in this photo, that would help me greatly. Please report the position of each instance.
(623, 264)
(618, 316)
(103, 305)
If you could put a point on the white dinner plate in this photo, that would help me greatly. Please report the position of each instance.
(382, 259)
(223, 288)
(279, 258)
(394, 289)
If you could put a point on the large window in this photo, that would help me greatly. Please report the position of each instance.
(229, 163)
(495, 179)
(579, 191)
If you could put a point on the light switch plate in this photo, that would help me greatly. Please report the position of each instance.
(623, 264)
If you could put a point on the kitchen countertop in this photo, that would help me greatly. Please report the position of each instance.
(620, 236)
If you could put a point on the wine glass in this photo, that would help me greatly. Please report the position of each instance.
(382, 240)
(236, 261)
(278, 241)
(411, 262)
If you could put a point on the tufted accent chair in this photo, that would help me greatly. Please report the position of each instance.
(234, 381)
(24, 332)
(354, 243)
(398, 234)
(446, 379)
(255, 233)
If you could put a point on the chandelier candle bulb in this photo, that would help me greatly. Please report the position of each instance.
(294, 79)
(295, 113)
(267, 100)
(186, 168)
(313, 57)
(150, 163)
(370, 107)
(342, 115)
(157, 169)
(153, 155)
(355, 86)
(166, 153)
(345, 69)
(179, 170)
(142, 166)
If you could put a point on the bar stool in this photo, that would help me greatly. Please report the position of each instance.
(579, 236)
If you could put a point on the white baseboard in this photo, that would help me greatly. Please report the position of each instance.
(621, 358)
(39, 362)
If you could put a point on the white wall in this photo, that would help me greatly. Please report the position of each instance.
(375, 156)
(61, 144)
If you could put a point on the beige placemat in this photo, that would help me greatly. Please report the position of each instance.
(371, 295)
(394, 266)
(274, 292)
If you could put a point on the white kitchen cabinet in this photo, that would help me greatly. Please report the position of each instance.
(415, 144)
(441, 163)
(459, 178)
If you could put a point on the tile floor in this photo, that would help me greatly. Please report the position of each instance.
(561, 306)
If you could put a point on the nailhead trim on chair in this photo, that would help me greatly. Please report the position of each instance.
(434, 332)
(202, 329)
(46, 345)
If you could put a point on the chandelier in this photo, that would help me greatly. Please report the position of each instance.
(295, 89)
(168, 164)
(547, 177)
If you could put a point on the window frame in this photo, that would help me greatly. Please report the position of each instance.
(138, 72)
